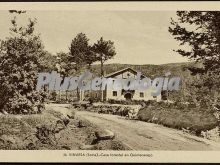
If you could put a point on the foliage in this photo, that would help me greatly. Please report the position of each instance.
(48, 131)
(62, 64)
(131, 102)
(193, 119)
(200, 32)
(82, 55)
(104, 50)
(203, 37)
(47, 62)
(80, 52)
(19, 56)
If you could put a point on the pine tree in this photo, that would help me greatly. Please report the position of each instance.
(199, 31)
(104, 50)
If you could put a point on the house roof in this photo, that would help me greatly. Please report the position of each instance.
(122, 71)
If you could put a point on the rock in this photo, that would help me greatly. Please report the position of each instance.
(5, 143)
(87, 147)
(212, 134)
(4, 112)
(31, 146)
(35, 109)
(66, 147)
(46, 133)
(30, 142)
(71, 116)
(186, 130)
(131, 114)
(10, 142)
(143, 105)
(10, 139)
(120, 111)
(81, 124)
(104, 135)
(72, 126)
(65, 121)
(59, 126)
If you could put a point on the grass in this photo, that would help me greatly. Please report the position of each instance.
(33, 132)
(13, 125)
(193, 119)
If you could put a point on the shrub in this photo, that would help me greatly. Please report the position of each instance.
(20, 62)
(133, 102)
(194, 119)
(53, 95)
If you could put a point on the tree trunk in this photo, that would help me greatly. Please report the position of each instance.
(59, 95)
(102, 72)
(66, 95)
(77, 89)
(90, 91)
(102, 75)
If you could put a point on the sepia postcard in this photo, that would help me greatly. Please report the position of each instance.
(110, 82)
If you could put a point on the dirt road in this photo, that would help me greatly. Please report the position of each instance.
(140, 135)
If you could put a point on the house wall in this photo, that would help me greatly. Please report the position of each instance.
(147, 95)
(109, 95)
(136, 96)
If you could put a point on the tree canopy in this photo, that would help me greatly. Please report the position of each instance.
(81, 53)
(199, 32)
(104, 50)
(19, 65)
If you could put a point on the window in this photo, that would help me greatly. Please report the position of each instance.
(155, 97)
(114, 93)
(141, 94)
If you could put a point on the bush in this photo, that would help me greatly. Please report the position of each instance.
(91, 99)
(20, 64)
(133, 102)
(194, 119)
(53, 95)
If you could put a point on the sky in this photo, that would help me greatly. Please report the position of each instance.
(140, 37)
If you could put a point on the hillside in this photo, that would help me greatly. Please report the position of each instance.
(153, 71)
(176, 69)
